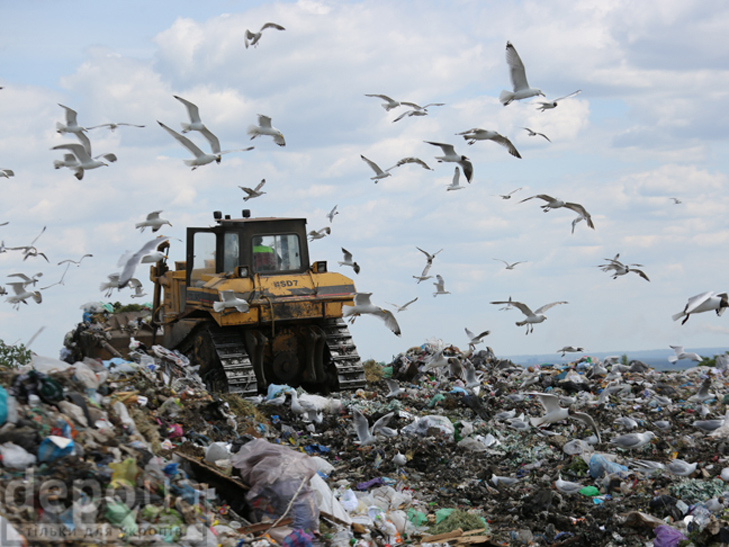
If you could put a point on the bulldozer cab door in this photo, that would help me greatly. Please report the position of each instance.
(202, 255)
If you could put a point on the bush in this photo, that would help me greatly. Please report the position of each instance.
(13, 356)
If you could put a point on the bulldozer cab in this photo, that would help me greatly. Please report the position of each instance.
(246, 247)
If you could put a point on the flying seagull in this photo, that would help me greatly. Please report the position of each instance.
(193, 112)
(534, 134)
(411, 160)
(546, 105)
(398, 309)
(389, 103)
(348, 261)
(676, 201)
(330, 214)
(21, 294)
(508, 196)
(28, 250)
(474, 339)
(84, 161)
(570, 349)
(449, 154)
(508, 265)
(456, 182)
(520, 86)
(201, 158)
(365, 434)
(264, 127)
(7, 173)
(68, 263)
(618, 268)
(477, 134)
(532, 317)
(71, 124)
(707, 301)
(362, 304)
(147, 254)
(681, 354)
(318, 234)
(379, 173)
(153, 221)
(439, 286)
(417, 110)
(253, 192)
(112, 126)
(252, 38)
(556, 203)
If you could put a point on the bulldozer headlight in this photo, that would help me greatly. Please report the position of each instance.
(320, 266)
(242, 271)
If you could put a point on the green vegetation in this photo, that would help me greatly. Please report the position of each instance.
(13, 356)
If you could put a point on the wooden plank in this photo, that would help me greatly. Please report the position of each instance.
(442, 537)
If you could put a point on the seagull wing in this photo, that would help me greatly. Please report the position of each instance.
(184, 141)
(577, 208)
(260, 185)
(271, 25)
(264, 121)
(192, 109)
(154, 215)
(361, 426)
(523, 308)
(448, 149)
(516, 68)
(347, 255)
(547, 306)
(71, 115)
(567, 96)
(78, 150)
(85, 141)
(212, 139)
(506, 143)
(640, 273)
(362, 299)
(549, 401)
(382, 422)
(389, 318)
(373, 165)
(413, 160)
(695, 301)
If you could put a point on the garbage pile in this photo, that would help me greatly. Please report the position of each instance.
(443, 447)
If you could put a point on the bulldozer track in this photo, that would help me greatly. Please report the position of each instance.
(238, 376)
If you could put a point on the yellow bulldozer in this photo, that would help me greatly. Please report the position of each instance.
(251, 309)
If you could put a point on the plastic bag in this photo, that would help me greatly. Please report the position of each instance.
(599, 465)
(427, 425)
(3, 405)
(16, 457)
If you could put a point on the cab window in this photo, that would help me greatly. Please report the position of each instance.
(276, 253)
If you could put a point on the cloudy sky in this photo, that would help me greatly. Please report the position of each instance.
(650, 124)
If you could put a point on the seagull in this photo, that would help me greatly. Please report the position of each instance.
(570, 349)
(201, 158)
(251, 38)
(429, 257)
(22, 294)
(113, 126)
(411, 160)
(69, 160)
(389, 103)
(318, 234)
(521, 89)
(330, 214)
(153, 221)
(473, 378)
(424, 275)
(555, 413)
(7, 173)
(379, 173)
(455, 183)
(681, 468)
(398, 309)
(583, 215)
(703, 394)
(194, 114)
(532, 317)
(553, 104)
(364, 433)
(477, 134)
(450, 155)
(399, 459)
(228, 299)
(71, 125)
(361, 304)
(28, 250)
(567, 487)
(27, 280)
(68, 263)
(508, 196)
(417, 110)
(510, 266)
(680, 354)
(621, 269)
(626, 422)
(136, 284)
(630, 441)
(264, 127)
(439, 286)
(110, 285)
(474, 339)
(84, 161)
(253, 192)
(348, 261)
(704, 302)
(552, 203)
(534, 134)
(676, 201)
(394, 387)
(506, 481)
(148, 253)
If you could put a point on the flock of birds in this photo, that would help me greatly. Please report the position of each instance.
(79, 158)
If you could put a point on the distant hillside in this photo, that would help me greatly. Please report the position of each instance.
(656, 358)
